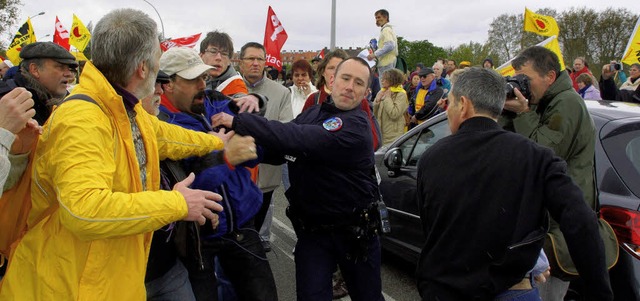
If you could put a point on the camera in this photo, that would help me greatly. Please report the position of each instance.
(615, 67)
(519, 81)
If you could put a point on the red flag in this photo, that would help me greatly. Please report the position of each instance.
(61, 35)
(321, 54)
(189, 41)
(274, 38)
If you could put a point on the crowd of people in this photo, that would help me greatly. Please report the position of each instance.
(153, 177)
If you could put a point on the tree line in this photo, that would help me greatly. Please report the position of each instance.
(599, 36)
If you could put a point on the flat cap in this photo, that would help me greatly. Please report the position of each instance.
(425, 71)
(48, 50)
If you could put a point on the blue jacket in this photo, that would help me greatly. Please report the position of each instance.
(241, 196)
(330, 161)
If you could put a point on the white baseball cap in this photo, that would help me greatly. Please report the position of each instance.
(185, 62)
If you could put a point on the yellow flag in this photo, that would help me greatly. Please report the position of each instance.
(80, 35)
(540, 24)
(79, 56)
(550, 43)
(632, 53)
(23, 37)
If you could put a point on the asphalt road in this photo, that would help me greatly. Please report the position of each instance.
(398, 282)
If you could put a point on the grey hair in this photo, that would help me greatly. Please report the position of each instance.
(485, 88)
(122, 40)
(438, 64)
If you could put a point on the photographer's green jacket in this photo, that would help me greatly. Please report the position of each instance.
(561, 122)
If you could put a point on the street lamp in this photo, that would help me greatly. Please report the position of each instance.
(332, 45)
(161, 24)
(47, 35)
(39, 14)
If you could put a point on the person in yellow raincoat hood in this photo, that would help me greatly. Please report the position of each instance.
(96, 178)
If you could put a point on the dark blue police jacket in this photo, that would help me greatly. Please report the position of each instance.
(330, 160)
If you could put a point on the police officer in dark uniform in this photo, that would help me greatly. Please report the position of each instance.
(333, 195)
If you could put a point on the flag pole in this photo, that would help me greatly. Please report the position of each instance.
(333, 25)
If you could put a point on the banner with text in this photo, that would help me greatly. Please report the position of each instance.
(80, 35)
(632, 53)
(274, 38)
(189, 42)
(61, 35)
(540, 24)
(23, 37)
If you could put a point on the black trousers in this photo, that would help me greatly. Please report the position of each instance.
(244, 262)
(316, 257)
(262, 213)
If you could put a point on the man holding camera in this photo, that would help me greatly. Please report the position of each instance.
(629, 91)
(554, 115)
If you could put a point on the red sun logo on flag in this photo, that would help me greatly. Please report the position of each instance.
(76, 32)
(540, 24)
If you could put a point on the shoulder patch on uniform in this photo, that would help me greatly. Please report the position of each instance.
(332, 124)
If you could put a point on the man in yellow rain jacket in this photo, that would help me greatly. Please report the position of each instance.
(95, 197)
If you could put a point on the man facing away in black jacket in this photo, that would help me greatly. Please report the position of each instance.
(484, 193)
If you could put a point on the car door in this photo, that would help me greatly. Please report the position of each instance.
(398, 184)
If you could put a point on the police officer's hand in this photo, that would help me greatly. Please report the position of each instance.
(222, 119)
(223, 134)
(16, 108)
(248, 103)
(199, 202)
(240, 149)
(26, 138)
(518, 105)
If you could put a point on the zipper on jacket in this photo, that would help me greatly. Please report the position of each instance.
(228, 210)
(526, 242)
(199, 246)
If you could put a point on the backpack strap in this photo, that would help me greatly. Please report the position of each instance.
(173, 169)
(81, 97)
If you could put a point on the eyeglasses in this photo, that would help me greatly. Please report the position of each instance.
(215, 51)
(424, 76)
(253, 59)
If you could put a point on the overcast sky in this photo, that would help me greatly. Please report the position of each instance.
(308, 23)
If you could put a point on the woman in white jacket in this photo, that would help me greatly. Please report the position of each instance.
(302, 86)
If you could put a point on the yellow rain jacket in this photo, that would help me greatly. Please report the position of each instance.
(91, 222)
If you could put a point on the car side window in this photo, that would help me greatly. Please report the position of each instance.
(413, 148)
(623, 150)
(633, 152)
